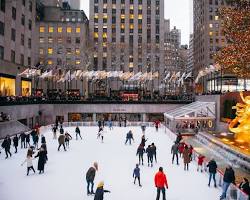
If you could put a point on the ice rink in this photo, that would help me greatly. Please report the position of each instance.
(64, 177)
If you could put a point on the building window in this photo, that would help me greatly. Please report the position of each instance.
(78, 61)
(69, 40)
(41, 51)
(59, 50)
(68, 51)
(78, 40)
(30, 6)
(41, 39)
(69, 29)
(50, 51)
(2, 5)
(42, 29)
(78, 51)
(51, 29)
(7, 86)
(50, 39)
(22, 39)
(59, 39)
(59, 29)
(1, 28)
(23, 20)
(216, 17)
(13, 34)
(22, 59)
(1, 52)
(13, 56)
(29, 43)
(78, 30)
(96, 9)
(50, 62)
(13, 13)
(30, 24)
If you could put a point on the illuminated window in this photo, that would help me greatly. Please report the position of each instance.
(104, 44)
(41, 51)
(68, 50)
(69, 29)
(77, 51)
(216, 17)
(131, 16)
(50, 62)
(122, 16)
(51, 29)
(131, 7)
(104, 54)
(50, 39)
(211, 33)
(210, 25)
(59, 39)
(78, 30)
(104, 35)
(140, 7)
(41, 39)
(139, 16)
(122, 26)
(131, 65)
(131, 26)
(7, 86)
(78, 61)
(50, 51)
(59, 29)
(95, 35)
(26, 88)
(42, 29)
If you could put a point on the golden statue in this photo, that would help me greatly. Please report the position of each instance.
(241, 124)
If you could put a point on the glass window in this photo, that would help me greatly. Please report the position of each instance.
(2, 5)
(68, 51)
(51, 29)
(23, 20)
(50, 39)
(59, 29)
(78, 30)
(26, 88)
(42, 29)
(1, 52)
(41, 51)
(69, 29)
(41, 39)
(13, 56)
(13, 13)
(50, 62)
(77, 51)
(78, 40)
(78, 61)
(7, 86)
(59, 39)
(50, 50)
(13, 34)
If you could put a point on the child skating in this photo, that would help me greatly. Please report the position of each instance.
(136, 175)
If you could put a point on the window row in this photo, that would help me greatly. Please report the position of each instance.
(69, 40)
(3, 6)
(60, 50)
(59, 61)
(59, 29)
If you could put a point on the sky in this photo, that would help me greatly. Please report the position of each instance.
(178, 11)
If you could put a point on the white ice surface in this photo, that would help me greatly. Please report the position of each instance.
(64, 177)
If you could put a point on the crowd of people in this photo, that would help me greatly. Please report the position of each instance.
(178, 150)
(4, 117)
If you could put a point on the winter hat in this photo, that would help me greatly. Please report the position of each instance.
(96, 165)
(101, 184)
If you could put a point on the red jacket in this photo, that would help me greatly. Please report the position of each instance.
(160, 180)
(200, 159)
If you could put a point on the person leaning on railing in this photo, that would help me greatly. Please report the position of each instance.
(244, 186)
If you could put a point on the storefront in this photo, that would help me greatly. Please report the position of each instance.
(7, 85)
(26, 87)
(132, 117)
(80, 117)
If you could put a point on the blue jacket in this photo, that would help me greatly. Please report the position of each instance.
(136, 172)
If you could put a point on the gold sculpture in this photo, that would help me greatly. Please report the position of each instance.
(241, 124)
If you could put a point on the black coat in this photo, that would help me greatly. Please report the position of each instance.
(43, 140)
(149, 152)
(143, 141)
(77, 130)
(153, 149)
(245, 187)
(212, 166)
(90, 175)
(27, 138)
(229, 176)
(41, 159)
(22, 136)
(99, 193)
(6, 143)
(15, 141)
(140, 151)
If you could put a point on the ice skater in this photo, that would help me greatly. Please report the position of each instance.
(15, 142)
(41, 160)
(68, 137)
(36, 139)
(29, 162)
(129, 137)
(54, 129)
(140, 152)
(143, 128)
(153, 147)
(149, 155)
(228, 178)
(143, 141)
(22, 136)
(61, 141)
(157, 124)
(90, 177)
(186, 158)
(174, 151)
(212, 169)
(43, 140)
(201, 159)
(78, 132)
(110, 124)
(136, 175)
(99, 124)
(6, 145)
(160, 183)
(100, 191)
(27, 140)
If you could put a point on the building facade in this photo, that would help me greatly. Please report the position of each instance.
(127, 35)
(17, 30)
(62, 36)
(190, 62)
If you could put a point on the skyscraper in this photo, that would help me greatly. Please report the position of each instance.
(127, 35)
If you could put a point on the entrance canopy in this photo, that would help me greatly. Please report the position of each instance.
(195, 111)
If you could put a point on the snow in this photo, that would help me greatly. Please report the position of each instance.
(64, 176)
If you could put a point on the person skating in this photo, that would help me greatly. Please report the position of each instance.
(101, 134)
(153, 147)
(244, 186)
(68, 137)
(61, 130)
(54, 129)
(90, 177)
(125, 121)
(22, 136)
(110, 124)
(61, 141)
(78, 132)
(212, 169)
(150, 156)
(36, 139)
(143, 128)
(120, 122)
(136, 174)
(99, 124)
(41, 160)
(33, 133)
(157, 124)
(29, 162)
(6, 145)
(186, 158)
(140, 152)
(129, 137)
(100, 191)
(15, 142)
(174, 151)
(27, 140)
(43, 139)
(191, 149)
(228, 178)
(44, 146)
(178, 138)
(200, 163)
(181, 148)
(160, 183)
(143, 141)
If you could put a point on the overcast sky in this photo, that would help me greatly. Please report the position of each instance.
(178, 11)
